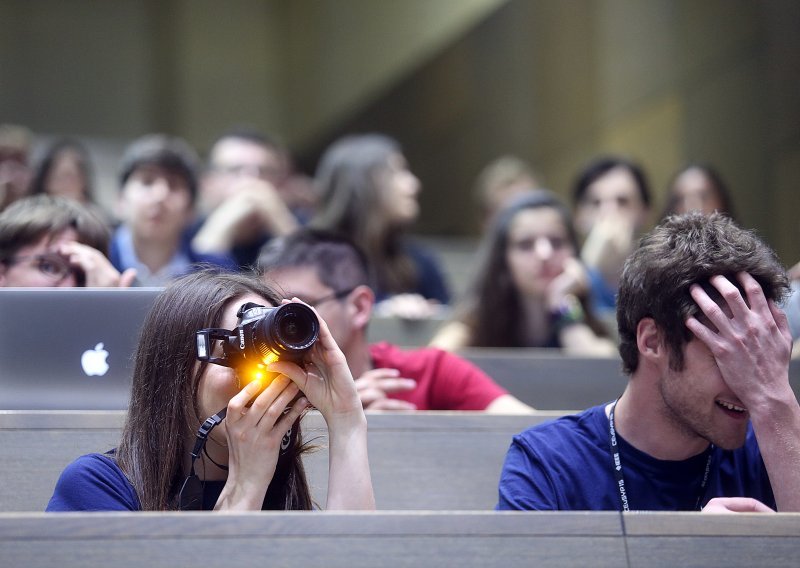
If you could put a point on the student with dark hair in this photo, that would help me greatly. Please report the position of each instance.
(529, 289)
(54, 241)
(368, 193)
(611, 197)
(158, 189)
(241, 198)
(251, 460)
(708, 410)
(329, 272)
(698, 187)
(64, 169)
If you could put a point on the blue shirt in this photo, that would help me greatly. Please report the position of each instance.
(566, 464)
(123, 256)
(93, 482)
(431, 282)
(602, 296)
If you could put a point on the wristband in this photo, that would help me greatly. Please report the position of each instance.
(569, 311)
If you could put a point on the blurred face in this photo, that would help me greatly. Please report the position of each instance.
(615, 195)
(233, 160)
(303, 282)
(693, 191)
(156, 203)
(538, 244)
(15, 174)
(219, 384)
(400, 189)
(39, 265)
(65, 177)
(697, 398)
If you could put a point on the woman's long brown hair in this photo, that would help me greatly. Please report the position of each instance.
(163, 414)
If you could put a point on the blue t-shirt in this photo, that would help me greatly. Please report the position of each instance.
(93, 482)
(602, 296)
(431, 282)
(566, 464)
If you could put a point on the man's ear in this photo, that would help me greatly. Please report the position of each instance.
(649, 340)
(362, 299)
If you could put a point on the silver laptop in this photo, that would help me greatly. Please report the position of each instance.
(69, 348)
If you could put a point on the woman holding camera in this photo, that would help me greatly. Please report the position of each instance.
(251, 460)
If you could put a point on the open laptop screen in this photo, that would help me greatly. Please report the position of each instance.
(69, 348)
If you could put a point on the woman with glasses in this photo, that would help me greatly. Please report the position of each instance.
(530, 290)
(50, 241)
(251, 458)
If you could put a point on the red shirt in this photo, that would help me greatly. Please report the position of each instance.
(444, 380)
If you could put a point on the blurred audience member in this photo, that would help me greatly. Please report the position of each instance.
(48, 241)
(329, 272)
(612, 204)
(530, 290)
(368, 193)
(15, 172)
(65, 169)
(158, 180)
(698, 187)
(240, 196)
(500, 181)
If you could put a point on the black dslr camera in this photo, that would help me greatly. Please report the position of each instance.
(263, 335)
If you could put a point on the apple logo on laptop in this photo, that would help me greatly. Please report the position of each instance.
(94, 361)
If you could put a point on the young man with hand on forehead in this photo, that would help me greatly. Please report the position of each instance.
(329, 272)
(708, 419)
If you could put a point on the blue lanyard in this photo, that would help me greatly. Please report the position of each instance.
(617, 466)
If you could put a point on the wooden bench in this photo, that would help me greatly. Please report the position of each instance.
(400, 538)
(431, 461)
(550, 380)
(666, 540)
(316, 539)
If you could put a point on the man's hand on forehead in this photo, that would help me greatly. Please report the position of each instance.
(748, 335)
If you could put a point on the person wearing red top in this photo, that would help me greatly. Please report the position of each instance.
(329, 272)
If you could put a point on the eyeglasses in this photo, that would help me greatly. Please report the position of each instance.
(332, 296)
(51, 265)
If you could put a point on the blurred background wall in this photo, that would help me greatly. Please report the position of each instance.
(457, 82)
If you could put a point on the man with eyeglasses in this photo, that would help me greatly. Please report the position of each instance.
(241, 193)
(330, 273)
(50, 241)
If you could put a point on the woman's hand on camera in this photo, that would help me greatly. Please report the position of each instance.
(326, 379)
(328, 384)
(254, 432)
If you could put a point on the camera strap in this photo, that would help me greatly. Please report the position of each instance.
(191, 495)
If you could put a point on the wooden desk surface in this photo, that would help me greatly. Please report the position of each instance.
(401, 538)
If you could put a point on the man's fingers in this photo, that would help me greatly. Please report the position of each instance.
(391, 404)
(386, 384)
(736, 505)
(127, 278)
(780, 320)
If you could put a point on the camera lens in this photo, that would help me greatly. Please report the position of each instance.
(295, 328)
(287, 331)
